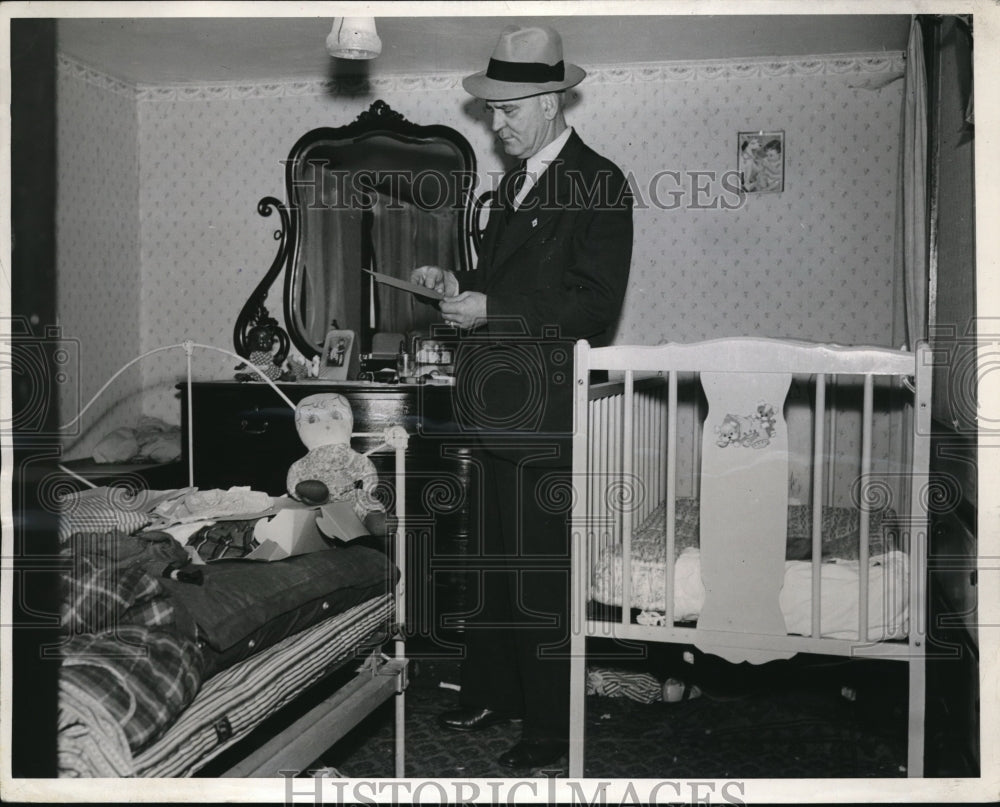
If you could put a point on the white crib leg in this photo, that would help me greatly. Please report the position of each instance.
(577, 702)
(918, 691)
(400, 726)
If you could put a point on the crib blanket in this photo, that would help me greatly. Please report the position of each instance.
(839, 532)
(888, 570)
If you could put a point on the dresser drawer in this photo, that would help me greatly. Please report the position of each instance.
(244, 434)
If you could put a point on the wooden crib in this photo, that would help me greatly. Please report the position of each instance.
(754, 498)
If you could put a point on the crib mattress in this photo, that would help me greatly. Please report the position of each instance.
(888, 574)
(232, 703)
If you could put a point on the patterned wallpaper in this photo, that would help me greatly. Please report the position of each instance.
(812, 262)
(97, 238)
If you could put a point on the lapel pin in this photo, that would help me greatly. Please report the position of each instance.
(534, 222)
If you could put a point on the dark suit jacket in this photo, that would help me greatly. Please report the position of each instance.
(555, 273)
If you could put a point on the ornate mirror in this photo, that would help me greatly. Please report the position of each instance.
(382, 194)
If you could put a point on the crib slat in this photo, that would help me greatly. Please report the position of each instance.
(627, 478)
(601, 484)
(600, 478)
(641, 454)
(593, 472)
(698, 431)
(583, 556)
(671, 496)
(866, 468)
(653, 478)
(662, 421)
(582, 473)
(817, 502)
(831, 457)
(611, 436)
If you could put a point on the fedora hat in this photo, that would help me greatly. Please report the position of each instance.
(528, 60)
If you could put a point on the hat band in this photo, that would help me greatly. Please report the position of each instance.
(525, 72)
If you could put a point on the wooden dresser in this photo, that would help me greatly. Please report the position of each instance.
(244, 434)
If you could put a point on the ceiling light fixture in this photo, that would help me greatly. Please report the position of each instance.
(354, 38)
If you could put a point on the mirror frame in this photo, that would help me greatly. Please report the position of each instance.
(378, 120)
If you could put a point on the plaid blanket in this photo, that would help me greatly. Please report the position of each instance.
(118, 691)
(103, 509)
(130, 664)
(113, 579)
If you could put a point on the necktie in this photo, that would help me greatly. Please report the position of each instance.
(514, 184)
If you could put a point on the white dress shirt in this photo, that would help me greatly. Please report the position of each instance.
(536, 164)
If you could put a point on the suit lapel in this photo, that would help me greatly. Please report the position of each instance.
(540, 207)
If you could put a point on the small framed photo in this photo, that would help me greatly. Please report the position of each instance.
(761, 161)
(336, 356)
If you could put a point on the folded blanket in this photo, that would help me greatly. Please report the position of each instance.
(130, 664)
(119, 690)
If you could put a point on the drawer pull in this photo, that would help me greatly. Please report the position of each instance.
(253, 426)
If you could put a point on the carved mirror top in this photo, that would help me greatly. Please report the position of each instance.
(380, 193)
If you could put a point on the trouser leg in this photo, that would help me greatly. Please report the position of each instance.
(542, 601)
(517, 648)
(489, 670)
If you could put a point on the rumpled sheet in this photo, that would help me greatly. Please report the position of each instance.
(201, 505)
(152, 440)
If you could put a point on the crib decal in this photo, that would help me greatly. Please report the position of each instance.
(749, 431)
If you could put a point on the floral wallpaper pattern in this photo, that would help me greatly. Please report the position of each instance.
(812, 262)
(97, 240)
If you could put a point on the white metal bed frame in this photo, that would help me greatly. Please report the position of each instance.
(610, 418)
(305, 739)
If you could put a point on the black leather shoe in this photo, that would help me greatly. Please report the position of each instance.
(533, 753)
(472, 719)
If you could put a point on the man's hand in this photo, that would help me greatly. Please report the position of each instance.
(466, 310)
(433, 277)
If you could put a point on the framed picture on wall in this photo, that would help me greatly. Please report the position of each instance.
(336, 356)
(761, 160)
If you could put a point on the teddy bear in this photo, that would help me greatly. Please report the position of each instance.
(728, 431)
(332, 471)
(749, 431)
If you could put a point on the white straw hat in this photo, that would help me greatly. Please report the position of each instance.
(526, 61)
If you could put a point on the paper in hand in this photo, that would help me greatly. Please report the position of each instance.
(405, 285)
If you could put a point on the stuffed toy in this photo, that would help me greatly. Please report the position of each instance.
(267, 353)
(332, 471)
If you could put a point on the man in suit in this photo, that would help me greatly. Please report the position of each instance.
(553, 267)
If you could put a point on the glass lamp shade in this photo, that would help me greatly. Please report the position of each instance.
(354, 38)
